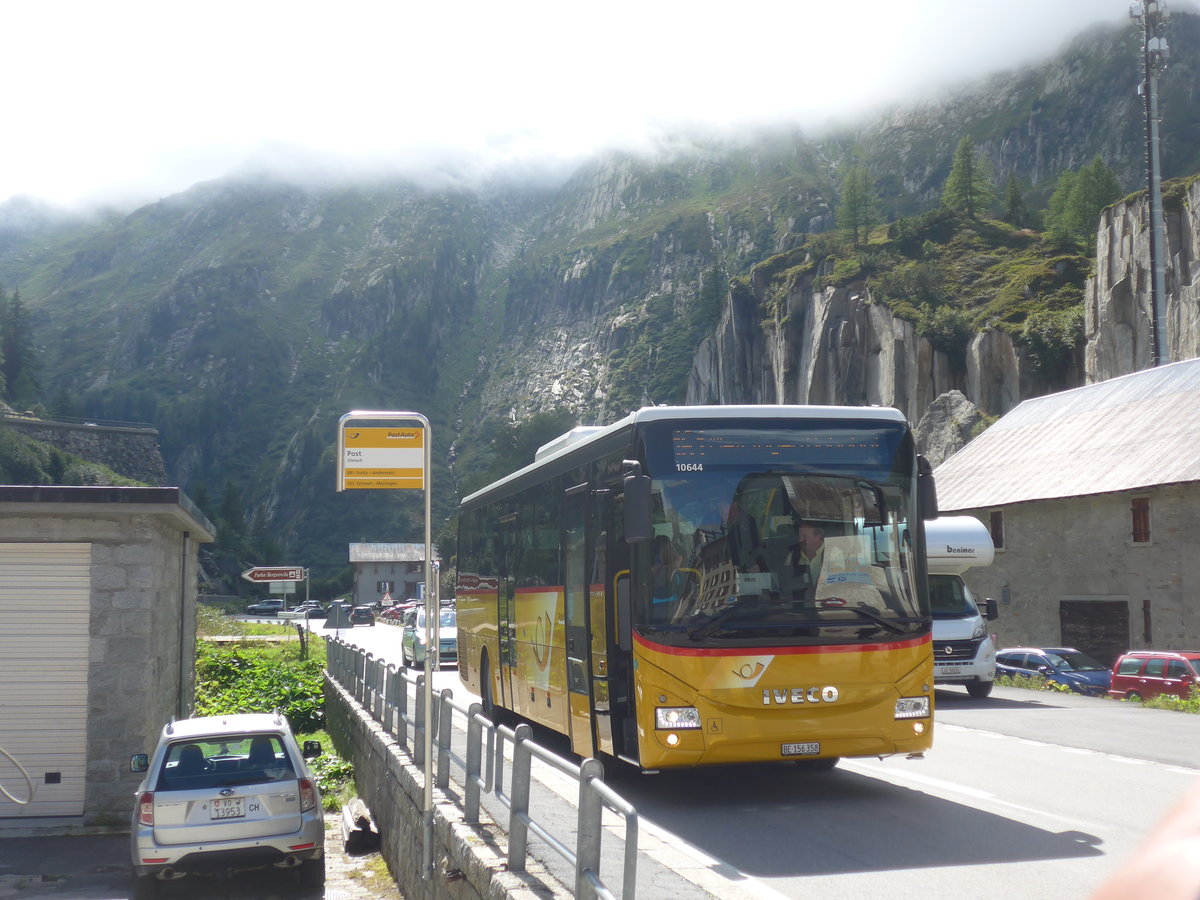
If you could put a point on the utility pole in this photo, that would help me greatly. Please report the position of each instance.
(1153, 14)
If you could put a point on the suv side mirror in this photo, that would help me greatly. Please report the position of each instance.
(139, 762)
(312, 749)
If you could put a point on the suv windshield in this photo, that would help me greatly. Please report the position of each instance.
(1074, 661)
(225, 761)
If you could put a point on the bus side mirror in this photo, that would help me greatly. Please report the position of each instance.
(926, 489)
(637, 503)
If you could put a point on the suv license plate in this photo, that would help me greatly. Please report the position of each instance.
(227, 808)
(812, 748)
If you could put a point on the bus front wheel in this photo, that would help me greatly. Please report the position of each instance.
(822, 764)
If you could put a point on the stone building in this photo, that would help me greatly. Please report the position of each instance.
(396, 571)
(1092, 497)
(97, 642)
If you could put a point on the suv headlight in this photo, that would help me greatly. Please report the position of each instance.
(676, 717)
(912, 708)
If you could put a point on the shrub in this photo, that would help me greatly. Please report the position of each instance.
(261, 677)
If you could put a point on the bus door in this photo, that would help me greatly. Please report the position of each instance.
(578, 594)
(506, 612)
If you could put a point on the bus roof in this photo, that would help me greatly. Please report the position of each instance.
(584, 435)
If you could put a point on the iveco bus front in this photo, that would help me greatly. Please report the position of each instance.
(703, 585)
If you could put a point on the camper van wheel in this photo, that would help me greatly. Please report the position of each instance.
(979, 689)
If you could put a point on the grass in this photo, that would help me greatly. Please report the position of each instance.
(1190, 704)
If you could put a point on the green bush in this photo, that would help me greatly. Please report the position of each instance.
(262, 677)
(1032, 682)
(1190, 704)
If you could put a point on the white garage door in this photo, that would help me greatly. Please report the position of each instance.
(44, 613)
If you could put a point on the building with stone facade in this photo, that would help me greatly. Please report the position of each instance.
(1093, 499)
(394, 571)
(97, 642)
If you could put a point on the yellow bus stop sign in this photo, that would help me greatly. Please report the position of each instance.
(375, 457)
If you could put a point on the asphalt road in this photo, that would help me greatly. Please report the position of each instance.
(1024, 793)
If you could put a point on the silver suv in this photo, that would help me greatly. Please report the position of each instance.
(224, 794)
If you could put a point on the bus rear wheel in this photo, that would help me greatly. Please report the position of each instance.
(486, 698)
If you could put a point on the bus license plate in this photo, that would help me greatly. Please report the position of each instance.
(227, 808)
(812, 748)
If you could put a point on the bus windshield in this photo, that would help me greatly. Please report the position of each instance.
(789, 535)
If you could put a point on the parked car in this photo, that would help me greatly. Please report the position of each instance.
(226, 793)
(412, 641)
(1064, 665)
(265, 608)
(362, 615)
(1141, 674)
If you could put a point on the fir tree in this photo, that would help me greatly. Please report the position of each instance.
(857, 211)
(1016, 213)
(1079, 199)
(968, 189)
(19, 355)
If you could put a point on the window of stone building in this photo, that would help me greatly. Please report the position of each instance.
(1140, 511)
(996, 527)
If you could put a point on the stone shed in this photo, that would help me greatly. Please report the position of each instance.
(1092, 497)
(97, 642)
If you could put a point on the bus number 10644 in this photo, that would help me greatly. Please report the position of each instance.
(689, 467)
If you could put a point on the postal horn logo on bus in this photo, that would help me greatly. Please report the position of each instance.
(784, 696)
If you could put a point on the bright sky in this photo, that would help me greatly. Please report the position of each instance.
(131, 100)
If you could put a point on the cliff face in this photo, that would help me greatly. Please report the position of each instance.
(1118, 314)
(837, 346)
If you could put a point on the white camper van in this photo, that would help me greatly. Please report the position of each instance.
(963, 652)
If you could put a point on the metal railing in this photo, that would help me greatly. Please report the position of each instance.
(381, 689)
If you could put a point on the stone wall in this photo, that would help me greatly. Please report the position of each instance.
(1093, 558)
(127, 450)
(468, 860)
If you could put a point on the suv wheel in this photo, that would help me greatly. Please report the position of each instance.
(312, 874)
(145, 887)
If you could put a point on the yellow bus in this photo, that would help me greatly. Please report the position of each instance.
(704, 585)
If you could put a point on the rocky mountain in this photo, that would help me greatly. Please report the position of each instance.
(243, 317)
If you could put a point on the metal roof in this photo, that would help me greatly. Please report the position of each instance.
(365, 553)
(1128, 433)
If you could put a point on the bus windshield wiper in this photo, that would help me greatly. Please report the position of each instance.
(891, 625)
(700, 632)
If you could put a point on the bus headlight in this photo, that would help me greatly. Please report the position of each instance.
(676, 717)
(912, 708)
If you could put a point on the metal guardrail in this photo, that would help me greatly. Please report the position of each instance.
(381, 689)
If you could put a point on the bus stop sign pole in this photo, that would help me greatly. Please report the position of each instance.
(396, 457)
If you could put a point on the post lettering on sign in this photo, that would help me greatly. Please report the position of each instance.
(374, 457)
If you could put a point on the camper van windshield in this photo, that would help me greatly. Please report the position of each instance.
(950, 598)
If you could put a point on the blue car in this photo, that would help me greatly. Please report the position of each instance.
(1065, 665)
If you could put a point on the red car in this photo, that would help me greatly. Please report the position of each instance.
(1141, 674)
